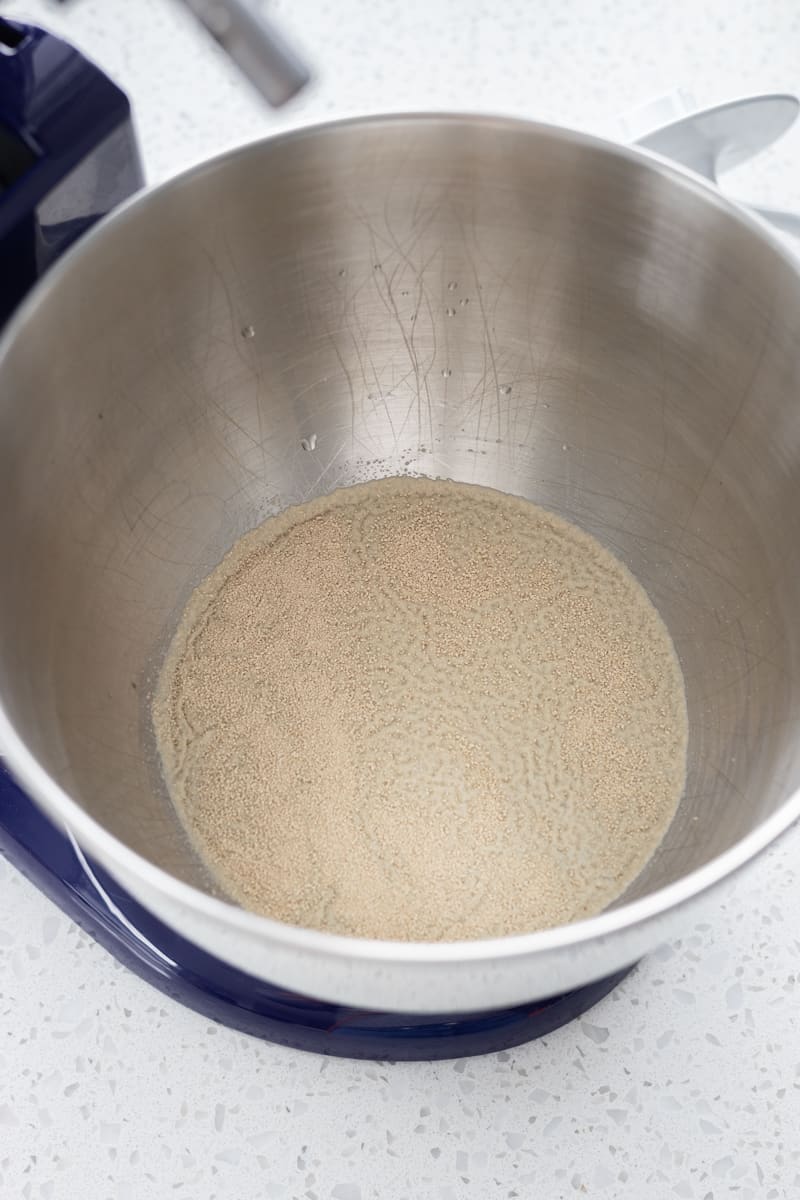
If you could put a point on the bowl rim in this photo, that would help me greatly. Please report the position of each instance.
(111, 852)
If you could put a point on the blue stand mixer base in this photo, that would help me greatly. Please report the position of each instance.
(223, 993)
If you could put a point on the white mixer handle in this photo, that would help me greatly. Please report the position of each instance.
(711, 141)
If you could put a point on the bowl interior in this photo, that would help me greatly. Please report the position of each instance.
(483, 300)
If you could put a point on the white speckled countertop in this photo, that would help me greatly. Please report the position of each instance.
(683, 1083)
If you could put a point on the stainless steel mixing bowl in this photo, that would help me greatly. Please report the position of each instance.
(477, 298)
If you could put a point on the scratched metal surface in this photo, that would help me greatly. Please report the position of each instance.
(476, 300)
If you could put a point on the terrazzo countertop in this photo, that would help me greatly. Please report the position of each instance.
(685, 1082)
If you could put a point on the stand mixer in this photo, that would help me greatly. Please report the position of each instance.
(47, 80)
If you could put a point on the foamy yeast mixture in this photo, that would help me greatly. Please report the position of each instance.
(422, 710)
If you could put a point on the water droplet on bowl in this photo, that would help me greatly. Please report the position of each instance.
(342, 272)
(451, 312)
(464, 302)
(310, 442)
(446, 372)
(452, 285)
(505, 389)
(248, 331)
